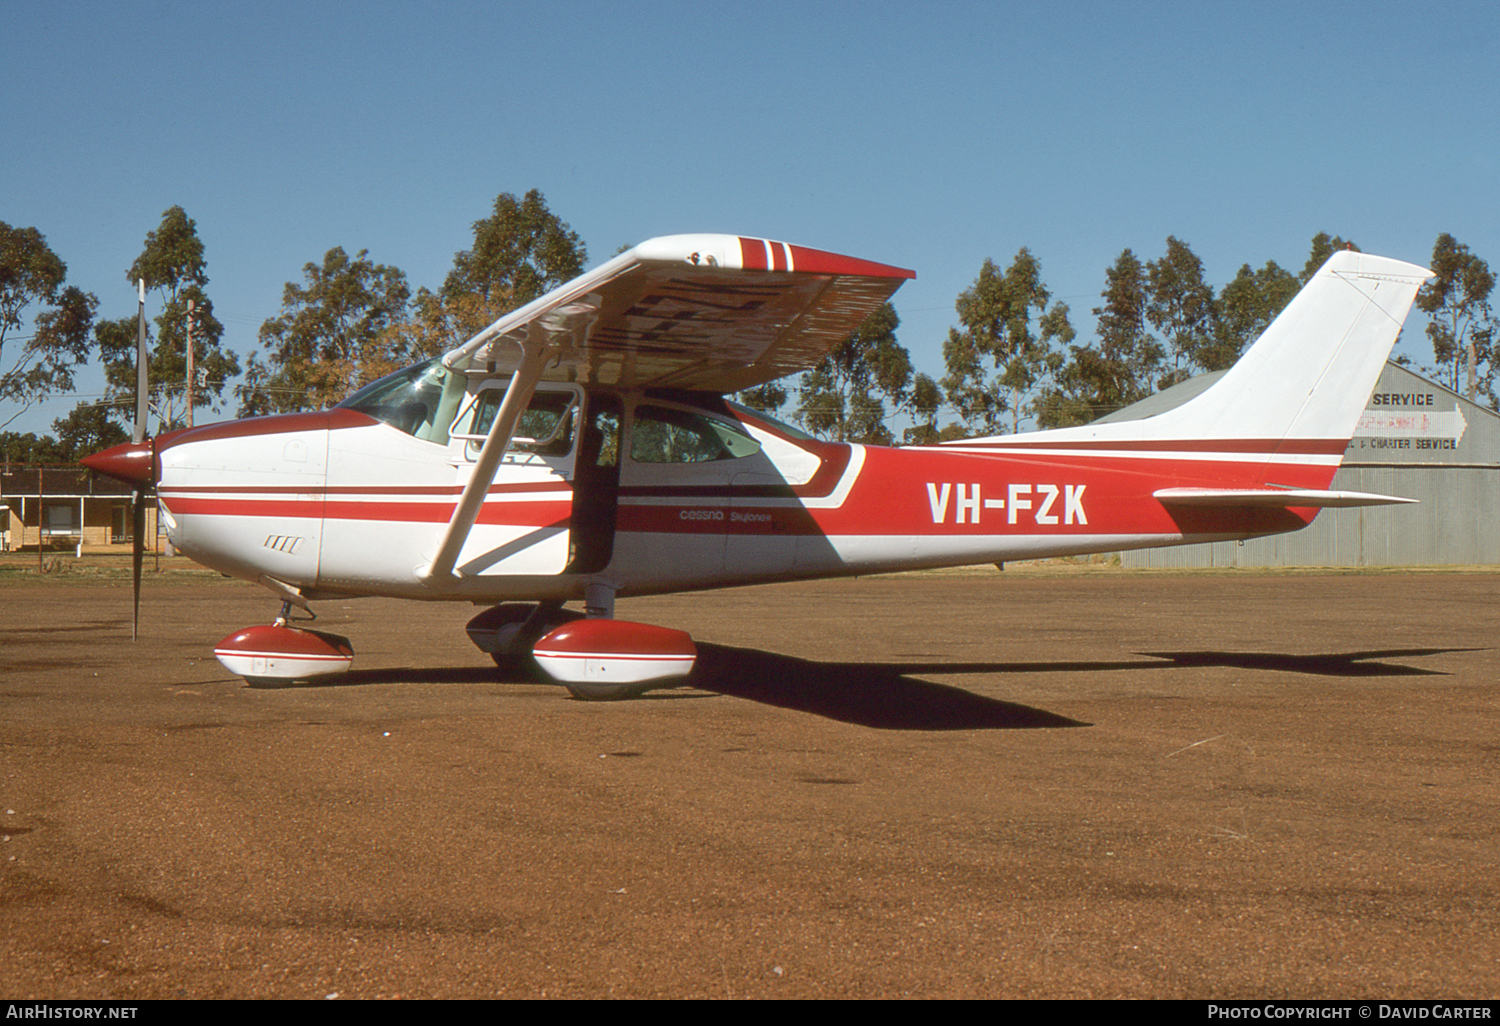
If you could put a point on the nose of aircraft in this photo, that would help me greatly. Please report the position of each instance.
(132, 462)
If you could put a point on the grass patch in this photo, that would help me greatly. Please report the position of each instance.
(21, 569)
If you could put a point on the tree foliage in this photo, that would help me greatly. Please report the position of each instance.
(88, 429)
(1247, 306)
(1323, 247)
(1007, 327)
(1462, 323)
(32, 278)
(332, 336)
(925, 403)
(767, 398)
(28, 447)
(1162, 323)
(1123, 364)
(844, 398)
(172, 264)
(521, 252)
(1183, 310)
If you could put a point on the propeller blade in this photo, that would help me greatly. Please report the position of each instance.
(137, 554)
(138, 497)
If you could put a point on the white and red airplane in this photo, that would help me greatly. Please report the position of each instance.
(580, 448)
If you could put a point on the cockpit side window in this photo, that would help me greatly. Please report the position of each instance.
(420, 400)
(660, 434)
(546, 428)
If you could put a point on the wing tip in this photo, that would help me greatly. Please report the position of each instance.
(748, 253)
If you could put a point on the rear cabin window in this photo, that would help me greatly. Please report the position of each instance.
(660, 434)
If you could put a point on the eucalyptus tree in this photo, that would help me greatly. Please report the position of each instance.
(172, 264)
(844, 398)
(521, 252)
(1247, 306)
(1182, 309)
(59, 318)
(330, 337)
(88, 429)
(1121, 368)
(1008, 327)
(1323, 247)
(1461, 324)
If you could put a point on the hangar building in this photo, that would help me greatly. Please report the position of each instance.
(1417, 440)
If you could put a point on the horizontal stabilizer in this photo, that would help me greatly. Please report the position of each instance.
(1278, 498)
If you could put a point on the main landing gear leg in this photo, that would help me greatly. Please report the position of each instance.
(507, 632)
(599, 604)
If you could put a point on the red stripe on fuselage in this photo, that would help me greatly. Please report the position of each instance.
(915, 491)
(1269, 446)
(525, 514)
(376, 490)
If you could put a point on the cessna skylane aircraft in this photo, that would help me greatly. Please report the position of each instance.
(581, 448)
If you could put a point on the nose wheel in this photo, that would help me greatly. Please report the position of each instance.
(277, 654)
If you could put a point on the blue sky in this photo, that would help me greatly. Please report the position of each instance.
(926, 135)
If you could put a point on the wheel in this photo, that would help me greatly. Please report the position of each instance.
(518, 666)
(605, 692)
(268, 682)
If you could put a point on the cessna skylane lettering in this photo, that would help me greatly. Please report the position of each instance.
(580, 449)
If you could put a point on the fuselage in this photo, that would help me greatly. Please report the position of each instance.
(658, 492)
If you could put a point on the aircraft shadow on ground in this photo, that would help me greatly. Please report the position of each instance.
(880, 695)
(873, 695)
(890, 696)
(1343, 664)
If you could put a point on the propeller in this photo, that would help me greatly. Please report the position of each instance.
(138, 496)
(134, 463)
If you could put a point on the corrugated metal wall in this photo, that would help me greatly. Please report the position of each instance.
(1457, 483)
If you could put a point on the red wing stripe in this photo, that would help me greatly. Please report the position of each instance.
(752, 254)
(761, 255)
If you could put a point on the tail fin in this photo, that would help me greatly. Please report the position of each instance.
(1308, 376)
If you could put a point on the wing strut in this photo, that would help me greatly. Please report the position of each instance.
(517, 397)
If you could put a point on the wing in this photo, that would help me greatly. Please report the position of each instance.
(716, 313)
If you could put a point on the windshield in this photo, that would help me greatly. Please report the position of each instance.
(420, 400)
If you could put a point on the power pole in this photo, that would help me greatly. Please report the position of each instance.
(190, 364)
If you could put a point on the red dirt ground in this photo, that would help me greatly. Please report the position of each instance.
(1106, 784)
